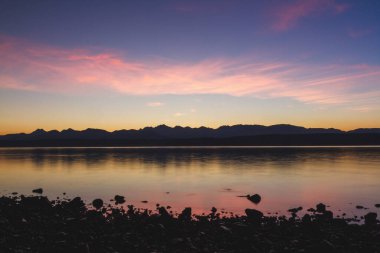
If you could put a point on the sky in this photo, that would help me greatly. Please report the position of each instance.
(129, 64)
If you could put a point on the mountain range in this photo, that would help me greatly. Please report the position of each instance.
(177, 135)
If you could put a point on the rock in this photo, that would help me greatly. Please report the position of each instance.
(144, 201)
(38, 191)
(36, 202)
(306, 218)
(97, 203)
(186, 214)
(253, 215)
(163, 212)
(214, 210)
(119, 199)
(370, 219)
(226, 229)
(377, 205)
(321, 208)
(295, 210)
(328, 215)
(76, 203)
(359, 207)
(255, 198)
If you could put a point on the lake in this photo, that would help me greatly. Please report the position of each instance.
(201, 177)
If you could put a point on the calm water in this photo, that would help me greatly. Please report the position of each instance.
(201, 177)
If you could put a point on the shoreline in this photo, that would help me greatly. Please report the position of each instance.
(37, 224)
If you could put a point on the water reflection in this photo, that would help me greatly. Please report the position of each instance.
(199, 177)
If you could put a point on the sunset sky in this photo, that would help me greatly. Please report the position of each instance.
(130, 64)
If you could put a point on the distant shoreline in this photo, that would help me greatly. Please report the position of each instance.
(325, 139)
(190, 147)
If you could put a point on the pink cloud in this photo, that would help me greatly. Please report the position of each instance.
(155, 104)
(28, 66)
(287, 16)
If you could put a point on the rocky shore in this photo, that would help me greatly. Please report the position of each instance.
(37, 224)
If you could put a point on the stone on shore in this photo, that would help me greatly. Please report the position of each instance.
(321, 208)
(97, 203)
(38, 191)
(254, 215)
(163, 212)
(370, 218)
(186, 214)
(295, 210)
(119, 199)
(255, 198)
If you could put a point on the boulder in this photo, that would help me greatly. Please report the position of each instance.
(321, 208)
(163, 212)
(119, 199)
(97, 203)
(38, 191)
(253, 215)
(76, 204)
(186, 214)
(295, 210)
(370, 218)
(328, 215)
(306, 218)
(255, 198)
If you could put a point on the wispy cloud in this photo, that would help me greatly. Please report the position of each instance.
(28, 66)
(178, 114)
(154, 104)
(286, 16)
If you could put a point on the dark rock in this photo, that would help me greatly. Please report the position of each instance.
(255, 198)
(370, 219)
(163, 212)
(38, 191)
(321, 208)
(33, 224)
(226, 229)
(328, 215)
(377, 205)
(295, 210)
(36, 202)
(359, 207)
(76, 204)
(119, 199)
(97, 203)
(186, 214)
(306, 218)
(253, 215)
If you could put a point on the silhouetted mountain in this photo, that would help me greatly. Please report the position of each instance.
(281, 134)
(365, 131)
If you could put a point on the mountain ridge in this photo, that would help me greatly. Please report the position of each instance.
(179, 132)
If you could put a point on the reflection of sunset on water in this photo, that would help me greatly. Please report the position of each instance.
(200, 178)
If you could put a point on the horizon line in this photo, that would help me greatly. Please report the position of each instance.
(179, 126)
